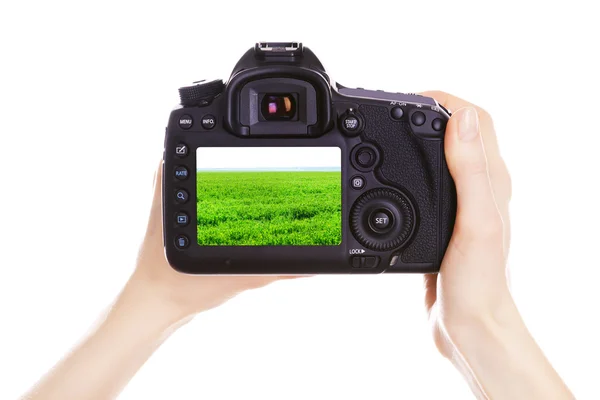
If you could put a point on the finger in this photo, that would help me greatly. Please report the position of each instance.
(477, 212)
(497, 168)
(487, 125)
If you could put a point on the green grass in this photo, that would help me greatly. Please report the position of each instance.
(269, 208)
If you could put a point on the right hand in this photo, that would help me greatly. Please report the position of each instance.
(472, 284)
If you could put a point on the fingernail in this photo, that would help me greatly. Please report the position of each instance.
(468, 124)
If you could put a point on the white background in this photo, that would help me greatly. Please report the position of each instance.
(86, 90)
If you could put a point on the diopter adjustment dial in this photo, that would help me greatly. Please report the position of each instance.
(382, 219)
(201, 94)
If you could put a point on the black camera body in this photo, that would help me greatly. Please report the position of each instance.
(282, 171)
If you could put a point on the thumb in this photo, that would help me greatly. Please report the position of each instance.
(477, 213)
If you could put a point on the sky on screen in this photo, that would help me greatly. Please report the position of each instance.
(268, 158)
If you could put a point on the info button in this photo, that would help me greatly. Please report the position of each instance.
(209, 121)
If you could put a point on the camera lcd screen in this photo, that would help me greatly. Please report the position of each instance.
(269, 196)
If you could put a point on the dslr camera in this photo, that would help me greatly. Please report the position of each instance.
(283, 171)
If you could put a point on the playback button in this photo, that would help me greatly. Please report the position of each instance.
(182, 219)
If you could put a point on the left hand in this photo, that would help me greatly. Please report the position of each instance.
(186, 295)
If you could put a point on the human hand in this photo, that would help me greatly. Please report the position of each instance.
(155, 301)
(185, 295)
(475, 321)
(472, 283)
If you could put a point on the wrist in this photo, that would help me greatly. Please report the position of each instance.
(142, 305)
(499, 357)
(503, 320)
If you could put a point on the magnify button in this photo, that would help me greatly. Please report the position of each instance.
(181, 196)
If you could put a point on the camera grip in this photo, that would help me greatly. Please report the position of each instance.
(417, 167)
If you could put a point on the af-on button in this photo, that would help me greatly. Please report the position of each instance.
(397, 113)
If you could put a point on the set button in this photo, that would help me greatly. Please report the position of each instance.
(381, 220)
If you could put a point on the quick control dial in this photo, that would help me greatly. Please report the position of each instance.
(382, 219)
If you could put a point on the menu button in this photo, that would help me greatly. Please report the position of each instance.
(185, 122)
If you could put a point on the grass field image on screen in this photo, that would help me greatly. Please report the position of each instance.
(269, 196)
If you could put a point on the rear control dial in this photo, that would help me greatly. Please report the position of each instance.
(382, 219)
